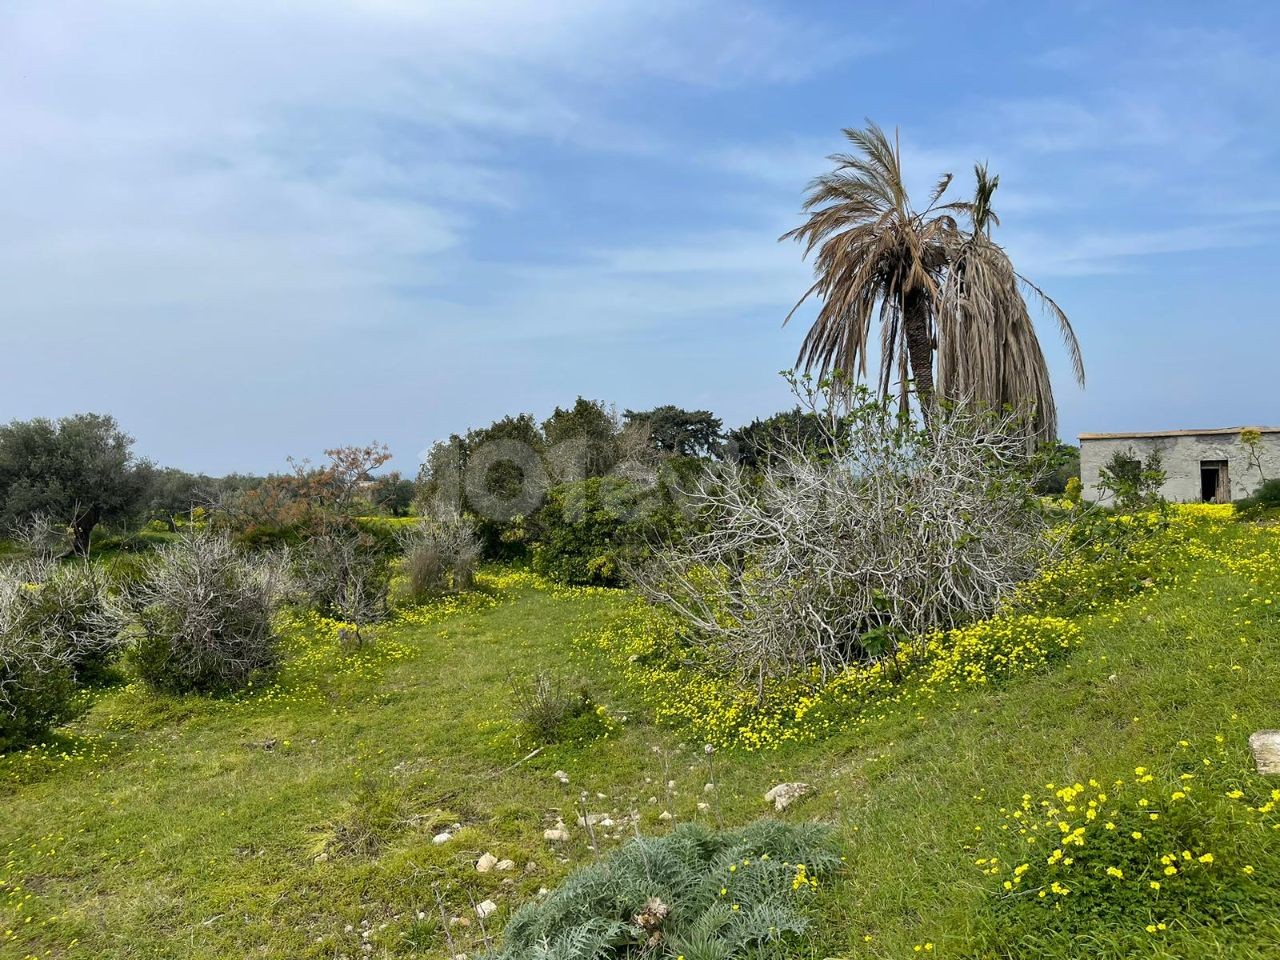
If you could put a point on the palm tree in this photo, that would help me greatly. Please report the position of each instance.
(932, 287)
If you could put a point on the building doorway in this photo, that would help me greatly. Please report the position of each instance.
(1215, 487)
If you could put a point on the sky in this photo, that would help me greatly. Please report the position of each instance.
(257, 230)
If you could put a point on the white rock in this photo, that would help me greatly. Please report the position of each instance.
(557, 834)
(561, 776)
(665, 815)
(442, 837)
(708, 788)
(592, 819)
(485, 908)
(502, 866)
(486, 863)
(704, 806)
(1265, 745)
(785, 794)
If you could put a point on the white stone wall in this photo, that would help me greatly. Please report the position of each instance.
(1182, 456)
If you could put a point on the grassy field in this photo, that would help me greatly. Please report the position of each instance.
(298, 820)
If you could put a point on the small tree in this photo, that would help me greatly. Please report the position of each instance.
(1130, 482)
(79, 470)
(345, 572)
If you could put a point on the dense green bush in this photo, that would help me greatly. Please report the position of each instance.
(589, 531)
(696, 893)
(204, 616)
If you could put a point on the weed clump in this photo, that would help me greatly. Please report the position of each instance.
(548, 712)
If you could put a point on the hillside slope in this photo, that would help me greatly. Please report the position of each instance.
(298, 821)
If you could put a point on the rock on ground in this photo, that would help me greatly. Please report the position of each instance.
(485, 908)
(1265, 745)
(785, 794)
(486, 863)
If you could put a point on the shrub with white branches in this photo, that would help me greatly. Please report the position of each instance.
(204, 616)
(840, 550)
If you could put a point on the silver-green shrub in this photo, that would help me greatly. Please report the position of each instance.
(204, 615)
(697, 893)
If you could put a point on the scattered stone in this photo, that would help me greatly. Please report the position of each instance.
(1265, 745)
(708, 788)
(704, 806)
(606, 822)
(592, 819)
(531, 867)
(322, 858)
(561, 776)
(443, 837)
(785, 794)
(502, 866)
(486, 908)
(665, 815)
(486, 863)
(557, 834)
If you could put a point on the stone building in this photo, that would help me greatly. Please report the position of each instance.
(1201, 466)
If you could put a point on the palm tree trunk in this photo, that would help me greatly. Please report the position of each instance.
(915, 318)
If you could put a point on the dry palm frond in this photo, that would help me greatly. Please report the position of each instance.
(931, 287)
(876, 257)
(988, 351)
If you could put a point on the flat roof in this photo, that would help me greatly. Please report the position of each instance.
(1216, 431)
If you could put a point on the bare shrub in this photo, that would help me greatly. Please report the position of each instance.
(41, 537)
(839, 552)
(345, 572)
(439, 555)
(204, 616)
(70, 606)
(36, 685)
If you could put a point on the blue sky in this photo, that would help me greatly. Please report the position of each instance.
(253, 230)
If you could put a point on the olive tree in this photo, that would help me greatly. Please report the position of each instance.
(79, 470)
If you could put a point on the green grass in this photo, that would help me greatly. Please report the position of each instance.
(268, 825)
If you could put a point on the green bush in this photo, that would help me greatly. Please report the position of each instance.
(204, 617)
(589, 531)
(1265, 498)
(695, 893)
